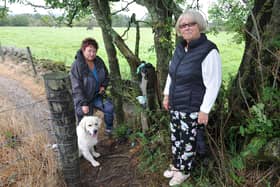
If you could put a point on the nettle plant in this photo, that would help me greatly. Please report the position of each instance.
(264, 119)
(263, 123)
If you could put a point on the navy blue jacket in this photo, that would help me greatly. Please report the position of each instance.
(187, 90)
(84, 84)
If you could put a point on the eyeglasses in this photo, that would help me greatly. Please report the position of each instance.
(185, 25)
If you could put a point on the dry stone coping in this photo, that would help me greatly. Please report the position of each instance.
(20, 56)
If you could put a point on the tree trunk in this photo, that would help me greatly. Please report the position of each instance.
(258, 72)
(101, 11)
(131, 58)
(161, 13)
(260, 65)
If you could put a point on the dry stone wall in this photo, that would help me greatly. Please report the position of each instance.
(15, 54)
(13, 57)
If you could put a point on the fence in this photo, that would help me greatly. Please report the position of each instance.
(58, 91)
(63, 126)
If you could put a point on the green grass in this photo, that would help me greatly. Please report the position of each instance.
(231, 53)
(61, 44)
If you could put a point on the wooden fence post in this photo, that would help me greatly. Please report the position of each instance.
(2, 53)
(148, 88)
(58, 91)
(31, 60)
(144, 118)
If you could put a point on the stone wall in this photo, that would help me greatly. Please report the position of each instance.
(13, 56)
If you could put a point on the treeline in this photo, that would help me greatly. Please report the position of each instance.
(59, 21)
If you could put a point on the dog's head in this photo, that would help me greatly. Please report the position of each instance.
(90, 124)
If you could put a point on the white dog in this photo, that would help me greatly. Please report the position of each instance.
(87, 132)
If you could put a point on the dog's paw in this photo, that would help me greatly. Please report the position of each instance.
(96, 155)
(95, 164)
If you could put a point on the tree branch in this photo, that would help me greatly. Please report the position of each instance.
(242, 92)
(114, 13)
(37, 6)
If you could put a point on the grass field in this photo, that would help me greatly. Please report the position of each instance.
(61, 44)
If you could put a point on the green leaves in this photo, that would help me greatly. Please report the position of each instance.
(258, 124)
(253, 147)
(237, 162)
(261, 126)
(3, 12)
(73, 8)
(230, 15)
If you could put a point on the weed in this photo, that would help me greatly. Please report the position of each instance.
(11, 139)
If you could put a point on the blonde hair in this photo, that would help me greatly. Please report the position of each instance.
(195, 16)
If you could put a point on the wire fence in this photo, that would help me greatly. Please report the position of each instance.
(22, 106)
(18, 143)
(13, 141)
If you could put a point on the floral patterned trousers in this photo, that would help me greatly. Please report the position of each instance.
(183, 128)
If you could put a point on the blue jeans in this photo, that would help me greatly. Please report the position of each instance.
(107, 107)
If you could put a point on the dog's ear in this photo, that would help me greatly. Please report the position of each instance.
(83, 123)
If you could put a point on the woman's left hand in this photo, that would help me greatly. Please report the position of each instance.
(202, 118)
(165, 102)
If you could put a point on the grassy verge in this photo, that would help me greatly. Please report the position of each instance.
(25, 159)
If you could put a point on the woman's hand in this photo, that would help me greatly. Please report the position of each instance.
(85, 109)
(101, 90)
(202, 118)
(165, 102)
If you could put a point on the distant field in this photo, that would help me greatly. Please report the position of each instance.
(61, 44)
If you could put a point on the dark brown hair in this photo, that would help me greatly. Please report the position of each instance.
(89, 41)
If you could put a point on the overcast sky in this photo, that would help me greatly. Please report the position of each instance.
(139, 10)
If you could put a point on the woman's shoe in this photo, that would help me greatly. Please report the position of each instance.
(169, 172)
(108, 132)
(178, 178)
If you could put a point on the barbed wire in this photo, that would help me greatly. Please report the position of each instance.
(44, 128)
(19, 157)
(23, 106)
(15, 140)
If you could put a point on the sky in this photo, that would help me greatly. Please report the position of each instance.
(17, 8)
(139, 10)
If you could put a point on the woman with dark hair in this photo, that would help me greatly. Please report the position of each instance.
(192, 85)
(89, 79)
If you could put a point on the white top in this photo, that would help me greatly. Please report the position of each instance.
(212, 79)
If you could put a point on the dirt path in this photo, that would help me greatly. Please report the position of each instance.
(24, 95)
(27, 94)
